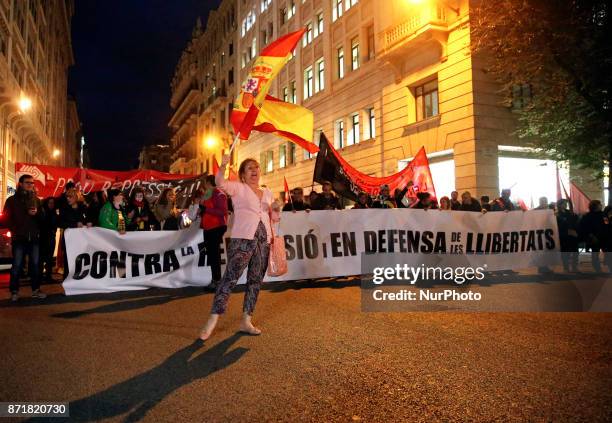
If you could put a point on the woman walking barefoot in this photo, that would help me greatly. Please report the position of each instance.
(249, 244)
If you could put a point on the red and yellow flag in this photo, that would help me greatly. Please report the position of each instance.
(253, 93)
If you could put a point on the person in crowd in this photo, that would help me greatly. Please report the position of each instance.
(399, 195)
(503, 203)
(48, 231)
(297, 201)
(326, 200)
(485, 203)
(454, 201)
(567, 222)
(542, 204)
(592, 231)
(214, 224)
(166, 215)
(114, 215)
(424, 201)
(139, 210)
(312, 199)
(62, 201)
(468, 203)
(22, 214)
(607, 244)
(445, 203)
(196, 203)
(95, 201)
(362, 201)
(72, 215)
(383, 200)
(249, 245)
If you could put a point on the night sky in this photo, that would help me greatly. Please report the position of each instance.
(125, 54)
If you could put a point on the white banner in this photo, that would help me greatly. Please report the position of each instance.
(319, 244)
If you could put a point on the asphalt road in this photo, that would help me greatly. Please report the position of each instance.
(133, 356)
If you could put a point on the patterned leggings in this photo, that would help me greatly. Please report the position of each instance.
(242, 252)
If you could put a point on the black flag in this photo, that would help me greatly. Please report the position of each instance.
(328, 168)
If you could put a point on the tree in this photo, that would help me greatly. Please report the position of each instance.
(557, 55)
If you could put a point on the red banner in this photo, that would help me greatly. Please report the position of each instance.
(50, 181)
(348, 181)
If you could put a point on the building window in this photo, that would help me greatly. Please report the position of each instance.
(230, 76)
(350, 3)
(267, 160)
(293, 93)
(291, 9)
(337, 10)
(353, 136)
(371, 51)
(283, 15)
(318, 29)
(371, 123)
(355, 53)
(282, 156)
(320, 79)
(307, 38)
(339, 134)
(231, 49)
(426, 97)
(308, 82)
(340, 63)
(265, 4)
(291, 157)
(247, 23)
(285, 94)
(521, 96)
(316, 139)
(254, 48)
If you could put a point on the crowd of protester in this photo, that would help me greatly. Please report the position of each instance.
(592, 230)
(34, 224)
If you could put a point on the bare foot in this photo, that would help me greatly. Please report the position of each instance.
(209, 327)
(246, 326)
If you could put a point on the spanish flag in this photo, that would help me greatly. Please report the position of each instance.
(255, 109)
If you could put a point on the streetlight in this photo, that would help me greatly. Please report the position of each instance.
(210, 143)
(56, 153)
(25, 103)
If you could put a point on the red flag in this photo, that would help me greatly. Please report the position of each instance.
(215, 166)
(579, 199)
(286, 190)
(233, 176)
(348, 181)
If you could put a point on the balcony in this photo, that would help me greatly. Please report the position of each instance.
(426, 29)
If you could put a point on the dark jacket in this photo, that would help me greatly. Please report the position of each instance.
(474, 206)
(455, 205)
(324, 203)
(567, 222)
(593, 229)
(23, 226)
(500, 205)
(93, 213)
(420, 205)
(400, 196)
(140, 212)
(296, 205)
(70, 217)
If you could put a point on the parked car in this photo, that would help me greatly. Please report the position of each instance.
(6, 255)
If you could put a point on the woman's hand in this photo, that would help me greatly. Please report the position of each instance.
(225, 160)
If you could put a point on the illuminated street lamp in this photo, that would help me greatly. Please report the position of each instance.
(56, 153)
(25, 103)
(210, 143)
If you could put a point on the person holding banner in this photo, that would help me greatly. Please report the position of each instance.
(113, 215)
(249, 244)
(214, 224)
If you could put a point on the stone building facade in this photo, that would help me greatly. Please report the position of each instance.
(155, 157)
(384, 78)
(37, 123)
